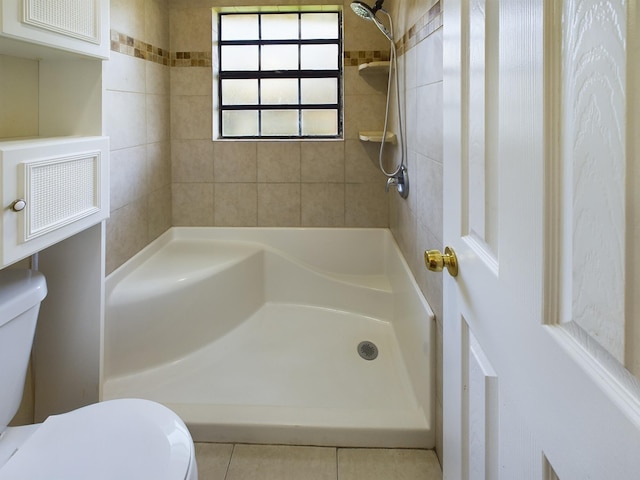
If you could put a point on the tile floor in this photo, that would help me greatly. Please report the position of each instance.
(218, 461)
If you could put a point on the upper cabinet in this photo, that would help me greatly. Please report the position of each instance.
(49, 28)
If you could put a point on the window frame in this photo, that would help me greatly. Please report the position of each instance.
(298, 74)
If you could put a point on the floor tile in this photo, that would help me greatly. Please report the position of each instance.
(213, 460)
(279, 462)
(387, 464)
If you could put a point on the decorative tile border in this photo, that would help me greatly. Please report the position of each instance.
(358, 57)
(425, 26)
(191, 59)
(127, 45)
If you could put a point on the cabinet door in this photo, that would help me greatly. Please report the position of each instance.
(51, 189)
(79, 26)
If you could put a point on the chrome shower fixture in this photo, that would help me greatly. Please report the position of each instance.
(365, 11)
(397, 178)
(369, 13)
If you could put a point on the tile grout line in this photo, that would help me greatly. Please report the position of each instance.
(226, 473)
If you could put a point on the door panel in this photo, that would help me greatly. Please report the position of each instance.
(480, 219)
(539, 129)
(480, 407)
(592, 167)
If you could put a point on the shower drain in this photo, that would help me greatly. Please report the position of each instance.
(367, 350)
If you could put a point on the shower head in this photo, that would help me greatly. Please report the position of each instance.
(369, 13)
(363, 10)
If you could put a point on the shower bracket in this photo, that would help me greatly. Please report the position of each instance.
(401, 181)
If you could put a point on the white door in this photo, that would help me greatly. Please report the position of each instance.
(541, 324)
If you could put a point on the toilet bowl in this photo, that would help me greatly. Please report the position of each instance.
(117, 439)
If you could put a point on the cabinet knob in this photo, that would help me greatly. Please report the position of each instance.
(18, 205)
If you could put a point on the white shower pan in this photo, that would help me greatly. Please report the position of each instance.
(251, 335)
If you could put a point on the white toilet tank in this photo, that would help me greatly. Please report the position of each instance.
(21, 292)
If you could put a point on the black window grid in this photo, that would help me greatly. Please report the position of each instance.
(298, 74)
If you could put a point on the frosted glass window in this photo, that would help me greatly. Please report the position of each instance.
(280, 57)
(319, 26)
(239, 91)
(239, 57)
(239, 27)
(280, 122)
(319, 57)
(240, 123)
(319, 90)
(280, 27)
(319, 122)
(279, 74)
(280, 91)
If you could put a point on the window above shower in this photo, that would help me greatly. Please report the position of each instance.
(279, 74)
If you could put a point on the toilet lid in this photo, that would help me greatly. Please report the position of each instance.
(118, 439)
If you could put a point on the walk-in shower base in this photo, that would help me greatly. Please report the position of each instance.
(289, 373)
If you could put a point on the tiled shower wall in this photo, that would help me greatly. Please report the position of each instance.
(138, 124)
(416, 223)
(278, 183)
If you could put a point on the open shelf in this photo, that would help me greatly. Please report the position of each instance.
(374, 68)
(376, 136)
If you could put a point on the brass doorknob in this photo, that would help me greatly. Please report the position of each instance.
(436, 261)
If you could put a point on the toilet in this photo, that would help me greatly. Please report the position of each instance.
(117, 439)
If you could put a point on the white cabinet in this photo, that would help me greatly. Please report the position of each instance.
(42, 28)
(51, 190)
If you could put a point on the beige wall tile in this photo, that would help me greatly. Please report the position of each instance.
(429, 121)
(279, 462)
(410, 68)
(356, 83)
(236, 205)
(124, 73)
(430, 283)
(322, 162)
(156, 17)
(363, 112)
(126, 234)
(279, 162)
(191, 117)
(366, 205)
(18, 97)
(128, 176)
(126, 122)
(191, 81)
(159, 206)
(193, 204)
(235, 162)
(322, 205)
(128, 17)
(361, 162)
(158, 118)
(361, 34)
(429, 51)
(278, 205)
(387, 464)
(157, 78)
(190, 29)
(411, 115)
(403, 225)
(159, 164)
(192, 161)
(428, 175)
